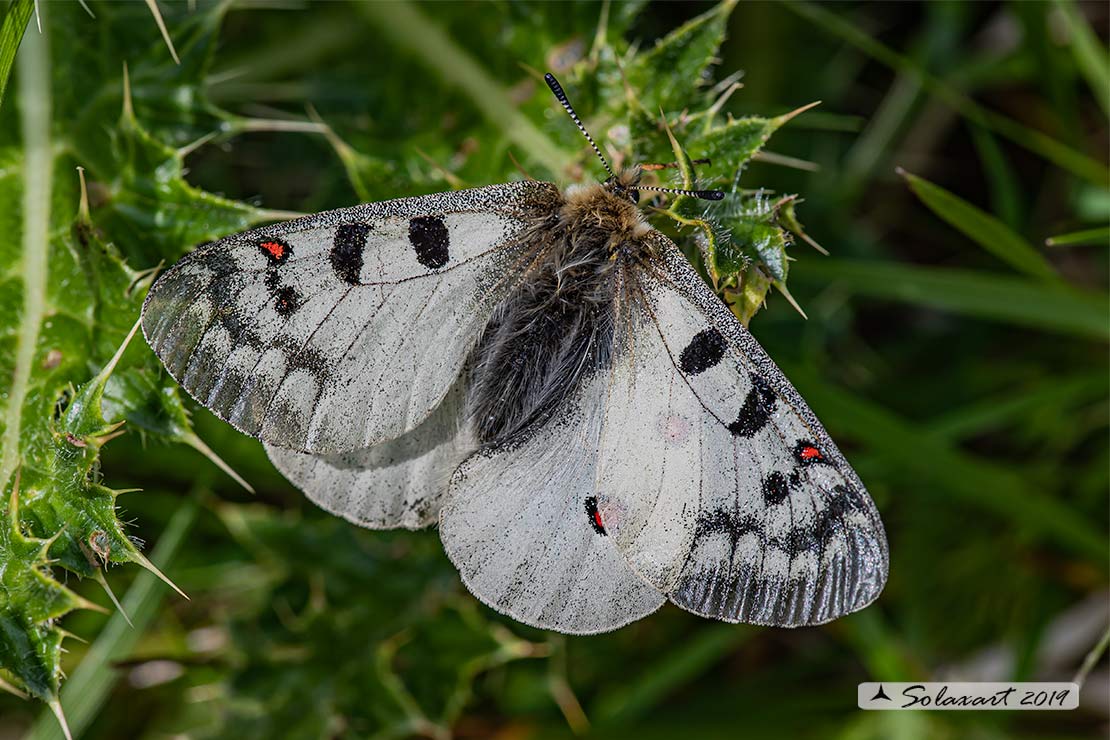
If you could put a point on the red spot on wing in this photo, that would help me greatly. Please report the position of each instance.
(810, 453)
(275, 250)
(597, 520)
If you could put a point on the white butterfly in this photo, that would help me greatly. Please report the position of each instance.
(545, 376)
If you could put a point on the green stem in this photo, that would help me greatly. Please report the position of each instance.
(38, 167)
(413, 31)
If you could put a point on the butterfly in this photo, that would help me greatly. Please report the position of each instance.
(544, 375)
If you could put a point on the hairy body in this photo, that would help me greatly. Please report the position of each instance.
(557, 326)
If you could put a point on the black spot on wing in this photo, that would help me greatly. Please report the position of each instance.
(830, 521)
(704, 351)
(428, 236)
(594, 515)
(346, 251)
(727, 522)
(756, 411)
(775, 488)
(286, 300)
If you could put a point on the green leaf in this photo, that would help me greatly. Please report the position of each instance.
(314, 653)
(31, 601)
(636, 697)
(409, 27)
(1098, 237)
(87, 690)
(12, 25)
(1046, 146)
(1018, 301)
(731, 146)
(70, 304)
(683, 54)
(1091, 56)
(981, 227)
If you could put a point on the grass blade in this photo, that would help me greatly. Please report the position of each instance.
(1091, 56)
(12, 27)
(672, 671)
(411, 29)
(1013, 300)
(1060, 154)
(1100, 237)
(981, 227)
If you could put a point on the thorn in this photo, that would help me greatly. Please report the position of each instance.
(198, 444)
(519, 168)
(785, 161)
(720, 101)
(38, 17)
(83, 603)
(56, 707)
(87, 9)
(600, 34)
(115, 430)
(83, 208)
(272, 214)
(145, 563)
(103, 581)
(13, 507)
(71, 636)
(106, 371)
(795, 113)
(727, 82)
(452, 179)
(162, 27)
(901, 172)
(192, 147)
(813, 243)
(5, 686)
(128, 108)
(786, 294)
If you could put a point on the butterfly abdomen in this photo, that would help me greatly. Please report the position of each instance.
(556, 327)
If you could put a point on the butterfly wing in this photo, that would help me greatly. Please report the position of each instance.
(520, 524)
(398, 483)
(716, 481)
(341, 330)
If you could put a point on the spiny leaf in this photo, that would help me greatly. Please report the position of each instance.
(30, 602)
(66, 318)
(683, 54)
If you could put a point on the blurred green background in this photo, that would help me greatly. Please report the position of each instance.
(958, 359)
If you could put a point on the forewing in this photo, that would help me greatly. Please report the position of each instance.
(341, 330)
(717, 482)
(398, 483)
(521, 525)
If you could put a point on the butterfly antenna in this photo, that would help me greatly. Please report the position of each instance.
(561, 96)
(703, 194)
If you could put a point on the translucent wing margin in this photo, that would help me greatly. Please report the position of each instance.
(717, 482)
(521, 525)
(344, 329)
(399, 483)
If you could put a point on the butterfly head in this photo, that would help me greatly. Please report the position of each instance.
(626, 183)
